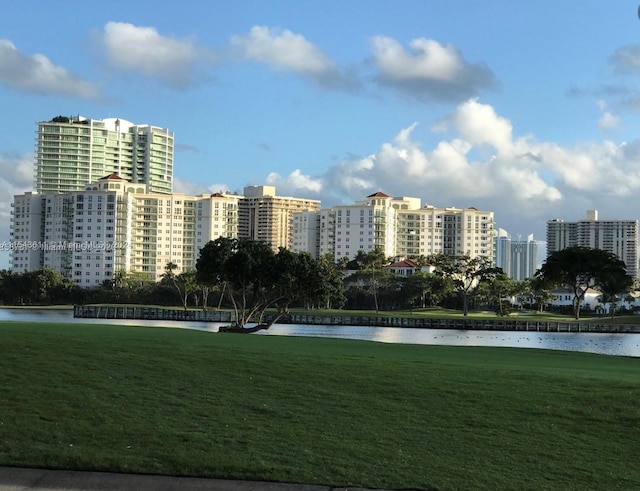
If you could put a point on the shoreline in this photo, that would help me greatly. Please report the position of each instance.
(151, 313)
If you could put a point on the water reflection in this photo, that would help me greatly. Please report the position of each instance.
(610, 344)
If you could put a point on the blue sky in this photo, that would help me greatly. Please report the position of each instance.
(528, 109)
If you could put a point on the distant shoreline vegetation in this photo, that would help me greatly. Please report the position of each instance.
(250, 279)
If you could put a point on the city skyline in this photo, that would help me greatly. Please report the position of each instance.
(528, 110)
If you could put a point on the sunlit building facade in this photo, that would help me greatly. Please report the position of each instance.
(264, 216)
(619, 237)
(399, 226)
(114, 225)
(72, 151)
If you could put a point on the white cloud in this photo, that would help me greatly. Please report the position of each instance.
(176, 62)
(430, 59)
(608, 120)
(16, 178)
(429, 71)
(481, 163)
(188, 188)
(285, 50)
(39, 75)
(295, 181)
(219, 188)
(478, 124)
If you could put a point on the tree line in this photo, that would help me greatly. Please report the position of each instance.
(250, 278)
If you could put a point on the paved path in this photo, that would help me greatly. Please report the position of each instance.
(20, 478)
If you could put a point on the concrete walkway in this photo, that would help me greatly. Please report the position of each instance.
(20, 478)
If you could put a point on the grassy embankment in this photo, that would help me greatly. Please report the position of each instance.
(316, 410)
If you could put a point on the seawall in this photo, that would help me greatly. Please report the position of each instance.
(151, 313)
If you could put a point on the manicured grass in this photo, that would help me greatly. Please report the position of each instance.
(313, 410)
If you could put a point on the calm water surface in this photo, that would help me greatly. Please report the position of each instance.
(609, 344)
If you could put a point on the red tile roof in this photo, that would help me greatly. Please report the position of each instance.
(111, 177)
(406, 263)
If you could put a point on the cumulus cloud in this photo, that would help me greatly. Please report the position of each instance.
(480, 162)
(296, 182)
(288, 51)
(175, 62)
(429, 70)
(37, 74)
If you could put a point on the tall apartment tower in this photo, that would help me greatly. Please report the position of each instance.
(113, 225)
(517, 258)
(398, 226)
(73, 151)
(619, 237)
(266, 217)
(451, 231)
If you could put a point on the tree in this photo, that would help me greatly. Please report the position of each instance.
(537, 291)
(254, 279)
(422, 289)
(465, 273)
(612, 285)
(371, 260)
(343, 263)
(130, 285)
(333, 295)
(578, 269)
(184, 283)
(248, 273)
(37, 287)
(500, 289)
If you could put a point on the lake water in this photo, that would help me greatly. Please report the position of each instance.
(608, 344)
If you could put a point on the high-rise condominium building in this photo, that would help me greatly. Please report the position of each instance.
(397, 226)
(619, 237)
(266, 217)
(517, 258)
(113, 225)
(73, 151)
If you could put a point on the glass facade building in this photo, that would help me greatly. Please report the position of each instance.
(72, 151)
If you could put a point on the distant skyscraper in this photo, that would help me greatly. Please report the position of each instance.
(517, 258)
(503, 251)
(73, 151)
(619, 237)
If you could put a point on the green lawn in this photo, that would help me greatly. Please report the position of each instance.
(313, 410)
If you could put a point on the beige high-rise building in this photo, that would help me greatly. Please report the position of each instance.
(114, 225)
(266, 217)
(451, 231)
(398, 226)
